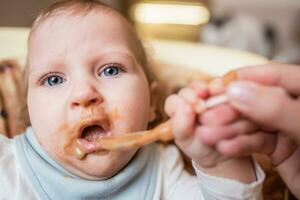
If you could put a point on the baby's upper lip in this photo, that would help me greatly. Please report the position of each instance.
(84, 123)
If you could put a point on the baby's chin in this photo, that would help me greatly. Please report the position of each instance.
(98, 166)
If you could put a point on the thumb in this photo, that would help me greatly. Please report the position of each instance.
(266, 105)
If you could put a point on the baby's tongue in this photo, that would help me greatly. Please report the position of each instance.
(92, 133)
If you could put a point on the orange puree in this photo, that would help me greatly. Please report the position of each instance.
(71, 133)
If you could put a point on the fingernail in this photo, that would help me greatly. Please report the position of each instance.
(242, 93)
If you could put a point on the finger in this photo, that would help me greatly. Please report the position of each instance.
(211, 135)
(267, 105)
(189, 95)
(216, 86)
(183, 121)
(242, 145)
(200, 88)
(284, 75)
(171, 105)
(222, 114)
(219, 84)
(192, 97)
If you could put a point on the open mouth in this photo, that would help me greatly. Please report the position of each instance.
(88, 141)
(85, 134)
(93, 133)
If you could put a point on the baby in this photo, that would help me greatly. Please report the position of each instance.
(88, 78)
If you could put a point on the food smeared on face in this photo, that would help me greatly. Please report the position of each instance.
(68, 128)
(82, 137)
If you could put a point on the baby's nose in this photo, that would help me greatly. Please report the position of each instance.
(86, 98)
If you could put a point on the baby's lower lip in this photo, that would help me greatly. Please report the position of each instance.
(89, 146)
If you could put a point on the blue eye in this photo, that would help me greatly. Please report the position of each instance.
(110, 71)
(53, 80)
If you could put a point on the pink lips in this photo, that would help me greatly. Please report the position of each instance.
(88, 142)
(82, 137)
(90, 147)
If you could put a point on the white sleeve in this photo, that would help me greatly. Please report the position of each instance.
(5, 166)
(13, 184)
(222, 188)
(178, 184)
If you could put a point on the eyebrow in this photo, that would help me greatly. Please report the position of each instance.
(37, 69)
(58, 64)
(127, 55)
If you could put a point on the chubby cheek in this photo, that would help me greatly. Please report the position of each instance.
(131, 107)
(45, 118)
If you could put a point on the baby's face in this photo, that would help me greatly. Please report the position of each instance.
(85, 83)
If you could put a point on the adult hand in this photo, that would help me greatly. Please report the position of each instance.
(269, 95)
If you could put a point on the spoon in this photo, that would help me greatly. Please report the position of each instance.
(162, 132)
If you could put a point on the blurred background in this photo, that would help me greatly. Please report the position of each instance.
(270, 28)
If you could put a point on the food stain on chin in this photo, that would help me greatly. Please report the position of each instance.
(71, 145)
(71, 133)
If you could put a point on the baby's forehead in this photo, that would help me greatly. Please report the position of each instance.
(94, 20)
(98, 17)
(83, 22)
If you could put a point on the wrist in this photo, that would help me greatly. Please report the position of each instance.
(240, 169)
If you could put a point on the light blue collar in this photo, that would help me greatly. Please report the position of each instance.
(136, 181)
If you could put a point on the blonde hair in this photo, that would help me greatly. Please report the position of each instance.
(83, 7)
